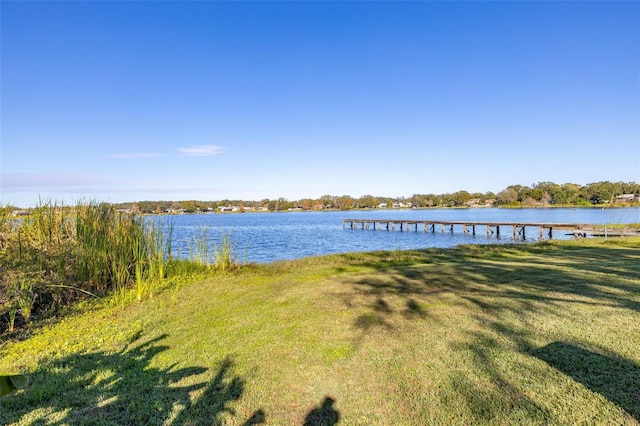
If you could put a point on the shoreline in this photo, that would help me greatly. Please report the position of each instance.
(597, 207)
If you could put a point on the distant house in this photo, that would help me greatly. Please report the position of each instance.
(382, 205)
(473, 202)
(401, 205)
(627, 198)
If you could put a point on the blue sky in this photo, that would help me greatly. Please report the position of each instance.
(126, 101)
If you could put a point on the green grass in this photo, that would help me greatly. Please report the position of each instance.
(517, 334)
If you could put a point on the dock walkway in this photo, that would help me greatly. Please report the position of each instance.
(518, 228)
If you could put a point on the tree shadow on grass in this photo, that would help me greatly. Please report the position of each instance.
(496, 279)
(504, 277)
(124, 388)
(616, 379)
(502, 289)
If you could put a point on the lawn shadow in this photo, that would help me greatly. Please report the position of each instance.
(503, 288)
(124, 388)
(618, 380)
(499, 278)
(324, 415)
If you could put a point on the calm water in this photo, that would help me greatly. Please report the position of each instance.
(266, 237)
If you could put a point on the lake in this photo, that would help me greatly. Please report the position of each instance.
(267, 237)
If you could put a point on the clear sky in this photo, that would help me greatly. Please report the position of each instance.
(126, 101)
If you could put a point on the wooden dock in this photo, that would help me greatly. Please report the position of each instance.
(518, 229)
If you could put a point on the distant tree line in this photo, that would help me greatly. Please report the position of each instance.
(549, 193)
(539, 194)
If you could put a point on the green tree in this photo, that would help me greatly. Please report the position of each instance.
(344, 202)
(367, 201)
(507, 196)
(189, 206)
(459, 198)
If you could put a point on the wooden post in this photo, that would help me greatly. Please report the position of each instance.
(497, 230)
(464, 228)
(473, 227)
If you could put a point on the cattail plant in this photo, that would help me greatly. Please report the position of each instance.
(64, 252)
(56, 254)
(224, 255)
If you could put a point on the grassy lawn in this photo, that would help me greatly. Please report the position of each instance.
(518, 334)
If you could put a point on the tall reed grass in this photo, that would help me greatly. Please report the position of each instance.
(58, 254)
(216, 256)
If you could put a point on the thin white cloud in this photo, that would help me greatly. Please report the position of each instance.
(27, 188)
(200, 150)
(63, 182)
(134, 155)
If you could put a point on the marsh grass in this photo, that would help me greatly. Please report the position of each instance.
(211, 255)
(224, 254)
(58, 254)
(516, 334)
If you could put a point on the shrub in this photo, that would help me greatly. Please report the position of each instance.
(56, 255)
